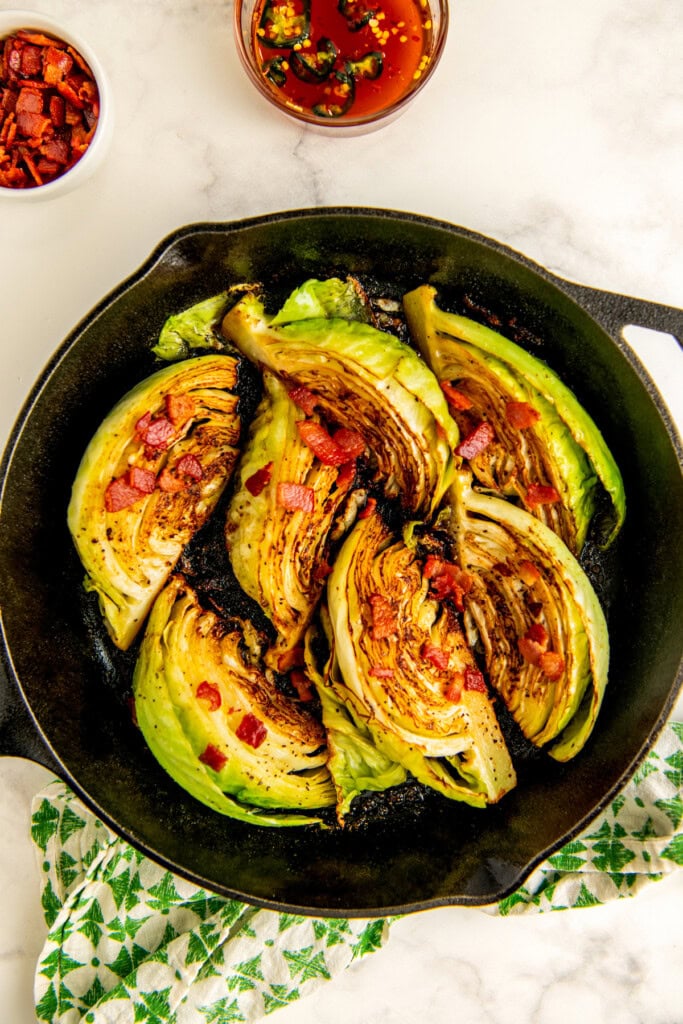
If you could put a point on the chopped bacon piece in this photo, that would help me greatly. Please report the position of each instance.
(437, 656)
(302, 685)
(157, 432)
(529, 572)
(41, 95)
(538, 633)
(120, 494)
(304, 398)
(323, 446)
(143, 479)
(476, 441)
(350, 441)
(210, 694)
(446, 579)
(380, 672)
(503, 569)
(179, 409)
(251, 730)
(322, 571)
(457, 400)
(213, 757)
(551, 665)
(474, 680)
(293, 658)
(534, 643)
(521, 415)
(454, 688)
(383, 617)
(369, 510)
(189, 465)
(169, 483)
(259, 480)
(541, 494)
(346, 475)
(296, 497)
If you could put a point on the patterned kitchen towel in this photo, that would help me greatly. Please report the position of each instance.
(130, 943)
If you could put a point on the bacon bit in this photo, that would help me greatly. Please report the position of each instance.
(476, 441)
(346, 475)
(350, 441)
(540, 494)
(322, 571)
(454, 688)
(437, 656)
(538, 633)
(179, 409)
(380, 672)
(534, 643)
(290, 659)
(296, 497)
(189, 465)
(521, 415)
(457, 400)
(551, 665)
(213, 757)
(323, 446)
(474, 680)
(302, 685)
(251, 731)
(209, 694)
(383, 617)
(143, 479)
(120, 494)
(169, 483)
(503, 568)
(304, 398)
(529, 572)
(369, 510)
(49, 108)
(259, 480)
(447, 580)
(156, 433)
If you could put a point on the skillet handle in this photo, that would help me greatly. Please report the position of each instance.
(19, 733)
(616, 311)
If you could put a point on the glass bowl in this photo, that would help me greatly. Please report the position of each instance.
(342, 66)
(14, 21)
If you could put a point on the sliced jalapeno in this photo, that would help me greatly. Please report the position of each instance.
(316, 66)
(356, 12)
(274, 71)
(285, 23)
(368, 66)
(339, 96)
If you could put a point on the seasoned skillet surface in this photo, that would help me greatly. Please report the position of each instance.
(414, 850)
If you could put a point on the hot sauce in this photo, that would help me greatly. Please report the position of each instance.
(339, 58)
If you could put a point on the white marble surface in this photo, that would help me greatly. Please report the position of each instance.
(554, 127)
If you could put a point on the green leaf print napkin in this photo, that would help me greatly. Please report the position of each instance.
(130, 943)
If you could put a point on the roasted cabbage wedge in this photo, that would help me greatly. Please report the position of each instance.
(149, 479)
(544, 441)
(216, 723)
(356, 763)
(537, 617)
(360, 378)
(279, 554)
(406, 674)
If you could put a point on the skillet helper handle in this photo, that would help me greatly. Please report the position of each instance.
(19, 733)
(616, 311)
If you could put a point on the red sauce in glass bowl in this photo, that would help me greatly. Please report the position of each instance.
(351, 58)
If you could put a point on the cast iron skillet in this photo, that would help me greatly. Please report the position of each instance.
(60, 708)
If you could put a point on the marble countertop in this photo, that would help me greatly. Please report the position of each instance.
(554, 128)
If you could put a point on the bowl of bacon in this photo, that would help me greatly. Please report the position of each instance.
(55, 107)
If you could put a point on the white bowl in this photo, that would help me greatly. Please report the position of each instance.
(11, 22)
